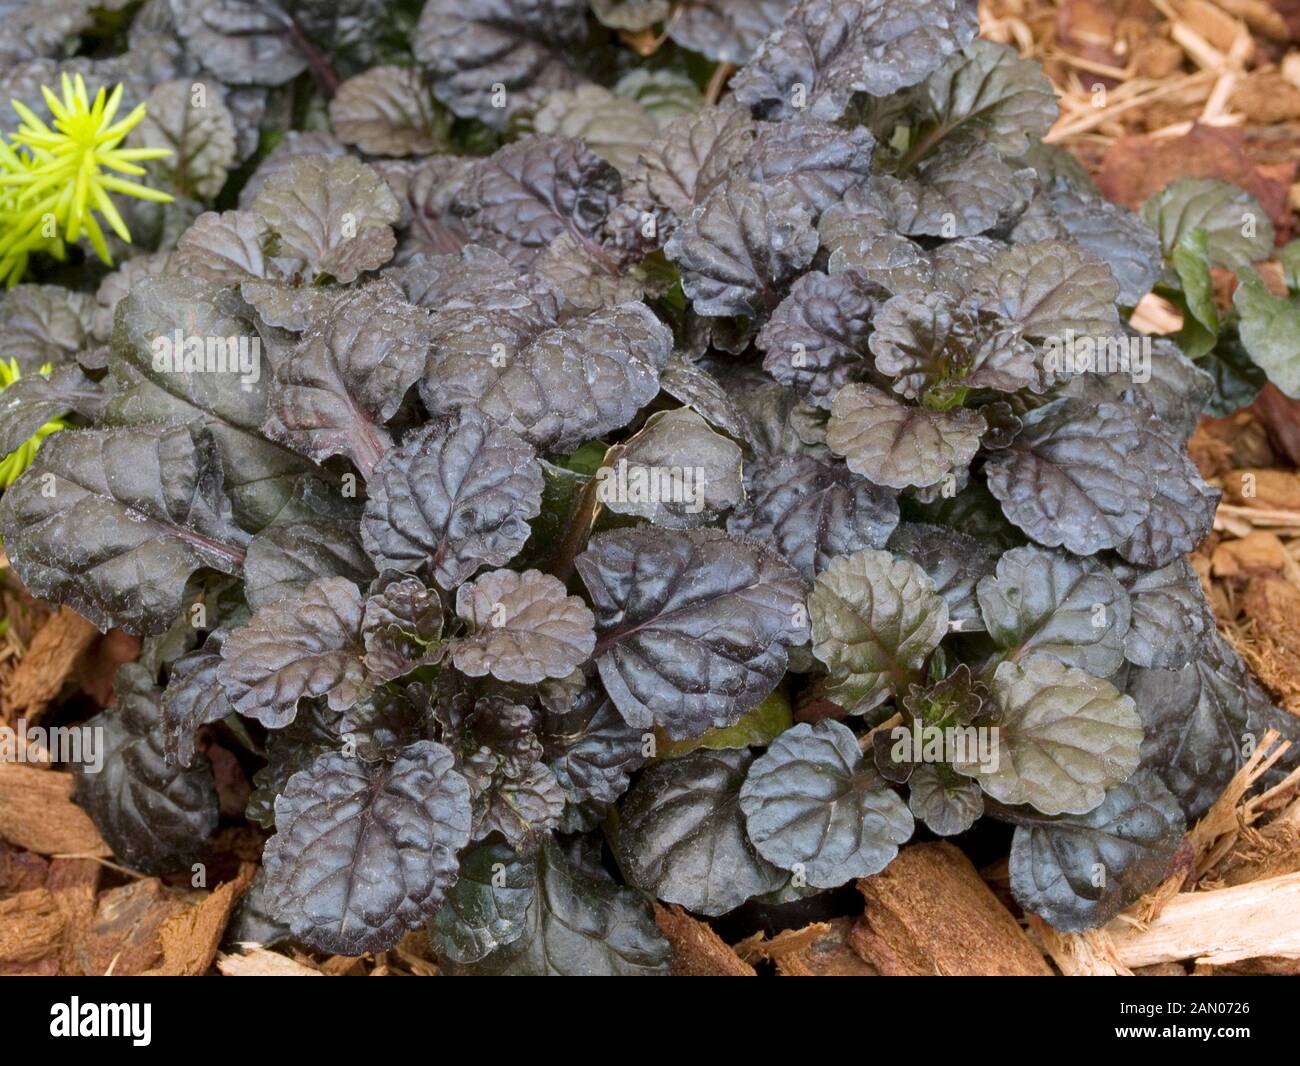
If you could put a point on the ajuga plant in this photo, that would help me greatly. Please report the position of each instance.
(580, 482)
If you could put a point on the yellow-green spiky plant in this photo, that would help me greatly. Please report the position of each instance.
(53, 182)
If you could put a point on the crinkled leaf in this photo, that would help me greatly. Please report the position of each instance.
(1046, 602)
(816, 338)
(694, 626)
(1050, 288)
(812, 511)
(741, 246)
(457, 495)
(348, 376)
(989, 92)
(1160, 378)
(487, 908)
(229, 400)
(304, 645)
(681, 834)
(614, 127)
(1063, 738)
(400, 627)
(954, 561)
(726, 31)
(385, 111)
(1077, 873)
(675, 471)
(1111, 233)
(194, 697)
(1070, 478)
(695, 155)
(818, 161)
(932, 347)
(946, 803)
(520, 806)
(665, 93)
(875, 619)
(590, 749)
(1194, 720)
(285, 559)
(335, 214)
(898, 445)
(775, 417)
(241, 42)
(365, 851)
(228, 248)
(474, 278)
(112, 522)
(154, 814)
(833, 48)
(1172, 621)
(513, 44)
(960, 191)
(530, 192)
(577, 922)
(554, 385)
(525, 628)
(313, 732)
(201, 138)
(694, 386)
(1182, 507)
(814, 805)
(44, 324)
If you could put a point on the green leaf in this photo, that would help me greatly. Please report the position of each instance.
(756, 729)
(1060, 605)
(1237, 228)
(1270, 331)
(1064, 738)
(875, 617)
(1191, 260)
(1290, 259)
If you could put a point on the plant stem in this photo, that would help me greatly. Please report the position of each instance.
(582, 516)
(320, 65)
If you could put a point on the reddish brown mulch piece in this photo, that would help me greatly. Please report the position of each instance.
(190, 938)
(833, 954)
(49, 663)
(929, 913)
(697, 950)
(37, 813)
(31, 932)
(1280, 417)
(1134, 168)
